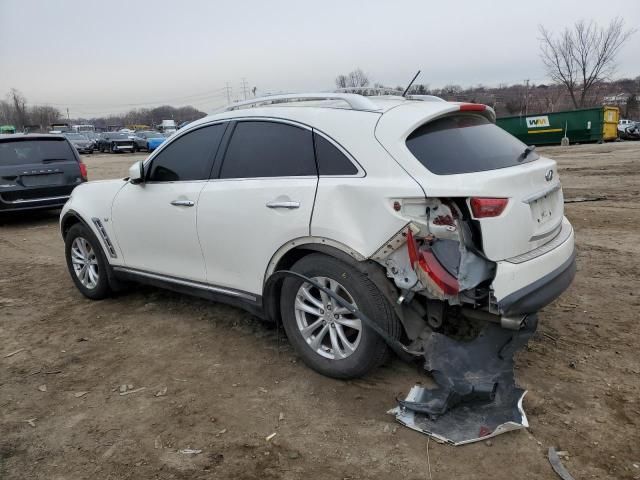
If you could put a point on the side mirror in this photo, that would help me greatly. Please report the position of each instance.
(136, 173)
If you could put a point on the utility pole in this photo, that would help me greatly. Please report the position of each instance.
(228, 90)
(526, 98)
(68, 119)
(245, 87)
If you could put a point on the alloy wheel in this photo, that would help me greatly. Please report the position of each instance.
(85, 262)
(330, 330)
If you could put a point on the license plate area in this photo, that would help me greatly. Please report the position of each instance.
(43, 180)
(542, 209)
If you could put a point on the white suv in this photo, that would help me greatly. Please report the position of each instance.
(420, 212)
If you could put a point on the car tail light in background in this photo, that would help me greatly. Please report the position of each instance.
(483, 207)
(83, 170)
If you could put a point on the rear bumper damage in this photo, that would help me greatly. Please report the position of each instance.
(541, 292)
(477, 396)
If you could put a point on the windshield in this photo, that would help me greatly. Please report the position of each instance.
(20, 152)
(75, 136)
(466, 143)
(118, 135)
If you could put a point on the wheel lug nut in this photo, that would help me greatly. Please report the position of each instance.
(336, 316)
(321, 312)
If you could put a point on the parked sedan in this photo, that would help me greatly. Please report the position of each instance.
(115, 142)
(80, 141)
(148, 140)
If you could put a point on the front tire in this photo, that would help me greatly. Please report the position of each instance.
(86, 262)
(326, 336)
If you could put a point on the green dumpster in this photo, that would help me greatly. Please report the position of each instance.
(582, 126)
(7, 129)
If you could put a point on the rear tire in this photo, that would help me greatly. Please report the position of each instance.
(86, 262)
(357, 352)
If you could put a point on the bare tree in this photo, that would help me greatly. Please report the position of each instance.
(354, 79)
(582, 55)
(19, 106)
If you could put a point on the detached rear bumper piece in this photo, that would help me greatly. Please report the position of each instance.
(477, 396)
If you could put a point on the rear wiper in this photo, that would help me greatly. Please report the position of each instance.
(526, 152)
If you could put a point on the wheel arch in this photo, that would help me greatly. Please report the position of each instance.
(71, 218)
(293, 251)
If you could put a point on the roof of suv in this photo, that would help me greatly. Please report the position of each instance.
(334, 111)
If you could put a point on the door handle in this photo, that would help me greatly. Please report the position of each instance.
(182, 203)
(290, 205)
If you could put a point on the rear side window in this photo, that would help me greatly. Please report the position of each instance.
(269, 149)
(464, 144)
(331, 161)
(188, 157)
(41, 151)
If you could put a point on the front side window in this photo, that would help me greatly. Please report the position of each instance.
(269, 149)
(188, 157)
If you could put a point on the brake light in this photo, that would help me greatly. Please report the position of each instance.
(487, 207)
(472, 107)
(429, 269)
(83, 170)
(437, 273)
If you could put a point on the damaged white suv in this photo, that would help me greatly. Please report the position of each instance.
(420, 212)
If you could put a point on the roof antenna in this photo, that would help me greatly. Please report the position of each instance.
(404, 94)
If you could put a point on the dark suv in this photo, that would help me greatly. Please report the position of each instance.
(38, 171)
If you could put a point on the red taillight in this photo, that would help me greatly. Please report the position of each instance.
(428, 268)
(472, 107)
(412, 248)
(432, 267)
(83, 170)
(488, 207)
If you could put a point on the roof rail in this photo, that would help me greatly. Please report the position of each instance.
(425, 98)
(355, 101)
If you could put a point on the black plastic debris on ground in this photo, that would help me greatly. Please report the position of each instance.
(477, 396)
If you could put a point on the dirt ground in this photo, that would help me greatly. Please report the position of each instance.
(227, 387)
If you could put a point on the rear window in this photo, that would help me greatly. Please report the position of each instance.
(20, 152)
(466, 143)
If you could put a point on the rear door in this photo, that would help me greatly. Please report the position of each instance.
(465, 155)
(155, 221)
(37, 167)
(260, 198)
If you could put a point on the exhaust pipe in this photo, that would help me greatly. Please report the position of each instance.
(510, 323)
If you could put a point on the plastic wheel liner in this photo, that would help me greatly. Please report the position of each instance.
(476, 395)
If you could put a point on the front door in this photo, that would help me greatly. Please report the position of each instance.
(155, 221)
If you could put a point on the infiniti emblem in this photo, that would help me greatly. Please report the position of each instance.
(549, 175)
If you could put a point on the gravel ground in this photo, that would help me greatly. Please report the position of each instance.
(211, 378)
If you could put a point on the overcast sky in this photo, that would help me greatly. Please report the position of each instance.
(98, 57)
